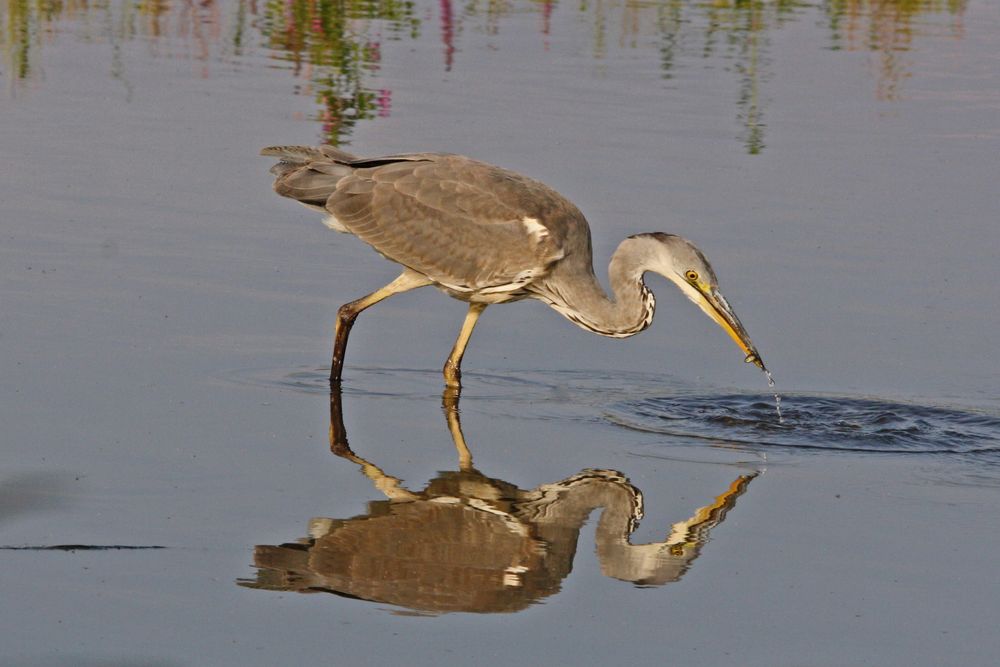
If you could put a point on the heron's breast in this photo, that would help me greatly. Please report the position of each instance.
(487, 296)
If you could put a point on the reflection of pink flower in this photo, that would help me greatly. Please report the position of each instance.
(384, 102)
(374, 50)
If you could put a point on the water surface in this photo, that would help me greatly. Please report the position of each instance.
(165, 321)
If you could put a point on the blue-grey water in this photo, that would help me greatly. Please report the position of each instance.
(165, 326)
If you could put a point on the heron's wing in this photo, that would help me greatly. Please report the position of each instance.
(465, 224)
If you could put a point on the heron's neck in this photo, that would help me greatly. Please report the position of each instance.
(582, 300)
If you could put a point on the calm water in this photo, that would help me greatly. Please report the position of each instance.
(165, 319)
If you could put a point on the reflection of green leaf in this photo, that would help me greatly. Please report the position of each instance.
(239, 27)
(16, 31)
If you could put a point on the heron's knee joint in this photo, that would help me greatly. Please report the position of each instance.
(347, 313)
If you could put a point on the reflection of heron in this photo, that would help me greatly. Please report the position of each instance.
(486, 235)
(471, 543)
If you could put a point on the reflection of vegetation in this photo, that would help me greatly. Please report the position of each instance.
(335, 46)
(736, 30)
(739, 31)
(327, 42)
(16, 31)
(745, 26)
(887, 28)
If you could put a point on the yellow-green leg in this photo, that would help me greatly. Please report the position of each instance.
(453, 367)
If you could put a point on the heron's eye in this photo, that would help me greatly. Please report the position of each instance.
(691, 275)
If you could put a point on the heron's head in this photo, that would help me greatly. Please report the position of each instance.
(682, 263)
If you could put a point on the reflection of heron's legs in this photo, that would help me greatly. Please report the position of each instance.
(449, 401)
(390, 486)
(349, 312)
(707, 517)
(338, 434)
(452, 367)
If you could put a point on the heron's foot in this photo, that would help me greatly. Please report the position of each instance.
(452, 375)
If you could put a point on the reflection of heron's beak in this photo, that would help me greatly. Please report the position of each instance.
(715, 306)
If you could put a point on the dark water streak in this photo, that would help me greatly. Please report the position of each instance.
(83, 547)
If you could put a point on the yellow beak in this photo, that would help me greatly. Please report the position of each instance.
(715, 306)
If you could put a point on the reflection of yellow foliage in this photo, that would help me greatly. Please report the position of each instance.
(153, 11)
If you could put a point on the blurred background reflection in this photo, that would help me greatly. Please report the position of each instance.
(334, 50)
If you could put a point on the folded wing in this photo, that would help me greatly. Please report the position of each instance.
(464, 224)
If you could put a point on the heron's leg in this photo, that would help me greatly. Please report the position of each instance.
(349, 312)
(453, 367)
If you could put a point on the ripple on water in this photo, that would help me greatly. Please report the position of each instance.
(816, 422)
(583, 386)
(384, 382)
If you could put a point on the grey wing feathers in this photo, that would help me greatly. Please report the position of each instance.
(443, 218)
(465, 224)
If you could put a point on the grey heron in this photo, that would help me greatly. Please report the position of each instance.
(487, 235)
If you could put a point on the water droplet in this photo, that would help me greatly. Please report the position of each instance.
(777, 396)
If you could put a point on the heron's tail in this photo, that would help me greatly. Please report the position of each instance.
(293, 157)
(308, 174)
(304, 154)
